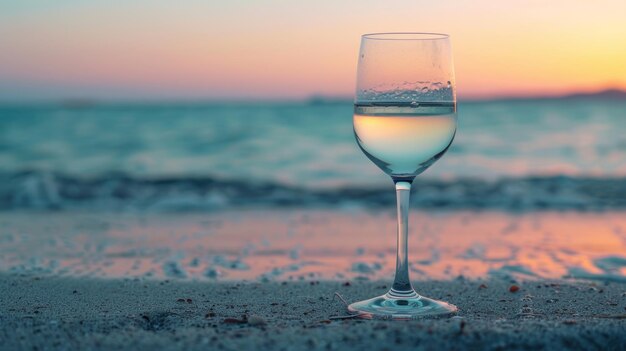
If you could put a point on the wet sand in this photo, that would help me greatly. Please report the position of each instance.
(314, 244)
(43, 312)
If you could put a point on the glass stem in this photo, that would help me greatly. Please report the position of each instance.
(402, 287)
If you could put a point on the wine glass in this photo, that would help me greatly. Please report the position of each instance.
(404, 121)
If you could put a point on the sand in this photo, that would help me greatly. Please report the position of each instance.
(40, 312)
(278, 245)
(140, 281)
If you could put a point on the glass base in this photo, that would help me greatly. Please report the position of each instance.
(413, 306)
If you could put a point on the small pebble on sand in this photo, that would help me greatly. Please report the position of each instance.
(256, 320)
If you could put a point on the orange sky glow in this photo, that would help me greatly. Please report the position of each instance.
(272, 49)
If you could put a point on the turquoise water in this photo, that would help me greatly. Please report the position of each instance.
(51, 153)
(131, 177)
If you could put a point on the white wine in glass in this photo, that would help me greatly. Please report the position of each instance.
(404, 120)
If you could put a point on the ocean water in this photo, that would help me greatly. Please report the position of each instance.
(524, 154)
(531, 189)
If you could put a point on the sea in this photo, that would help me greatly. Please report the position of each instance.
(531, 189)
(512, 155)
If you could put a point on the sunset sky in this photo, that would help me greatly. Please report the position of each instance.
(279, 49)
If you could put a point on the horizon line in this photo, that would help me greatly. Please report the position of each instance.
(610, 92)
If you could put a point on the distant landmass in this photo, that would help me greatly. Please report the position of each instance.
(608, 94)
(329, 100)
(612, 94)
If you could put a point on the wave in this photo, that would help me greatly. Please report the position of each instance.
(45, 190)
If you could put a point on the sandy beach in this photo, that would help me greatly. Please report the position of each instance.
(258, 279)
(55, 313)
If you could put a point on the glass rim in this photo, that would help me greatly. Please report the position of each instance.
(405, 36)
